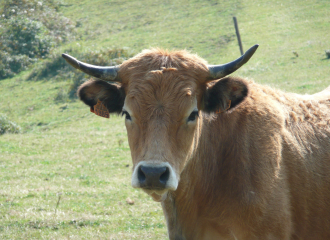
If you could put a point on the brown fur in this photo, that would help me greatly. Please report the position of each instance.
(260, 170)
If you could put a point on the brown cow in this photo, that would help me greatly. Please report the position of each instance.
(228, 158)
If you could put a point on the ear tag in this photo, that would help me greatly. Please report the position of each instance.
(229, 104)
(100, 110)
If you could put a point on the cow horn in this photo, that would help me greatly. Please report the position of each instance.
(220, 71)
(104, 73)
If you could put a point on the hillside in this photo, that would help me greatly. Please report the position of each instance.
(67, 174)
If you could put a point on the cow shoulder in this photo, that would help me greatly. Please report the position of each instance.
(111, 95)
(225, 94)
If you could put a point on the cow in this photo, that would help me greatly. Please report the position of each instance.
(226, 157)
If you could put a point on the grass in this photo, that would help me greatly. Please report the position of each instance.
(81, 157)
(206, 28)
(69, 151)
(67, 175)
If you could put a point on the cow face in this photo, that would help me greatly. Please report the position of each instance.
(161, 116)
(163, 97)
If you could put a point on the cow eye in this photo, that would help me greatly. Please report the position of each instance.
(127, 116)
(192, 116)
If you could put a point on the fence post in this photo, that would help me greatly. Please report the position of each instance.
(238, 36)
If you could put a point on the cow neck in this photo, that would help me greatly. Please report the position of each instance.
(185, 208)
(214, 176)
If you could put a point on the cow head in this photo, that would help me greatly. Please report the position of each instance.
(162, 96)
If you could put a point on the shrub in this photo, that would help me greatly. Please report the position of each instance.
(11, 64)
(26, 37)
(46, 12)
(29, 30)
(21, 44)
(7, 126)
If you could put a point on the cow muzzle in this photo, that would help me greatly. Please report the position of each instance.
(154, 178)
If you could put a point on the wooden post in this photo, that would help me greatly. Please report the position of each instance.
(238, 36)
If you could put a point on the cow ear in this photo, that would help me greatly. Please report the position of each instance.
(225, 94)
(112, 96)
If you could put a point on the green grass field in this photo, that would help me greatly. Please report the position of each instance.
(67, 175)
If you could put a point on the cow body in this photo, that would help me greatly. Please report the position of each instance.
(228, 158)
(259, 172)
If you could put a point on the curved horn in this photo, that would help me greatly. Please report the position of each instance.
(220, 71)
(104, 73)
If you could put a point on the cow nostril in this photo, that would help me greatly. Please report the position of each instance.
(165, 176)
(141, 175)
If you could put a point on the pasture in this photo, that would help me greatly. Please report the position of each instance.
(67, 175)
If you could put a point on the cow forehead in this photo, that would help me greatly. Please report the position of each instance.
(162, 91)
(157, 78)
(166, 84)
